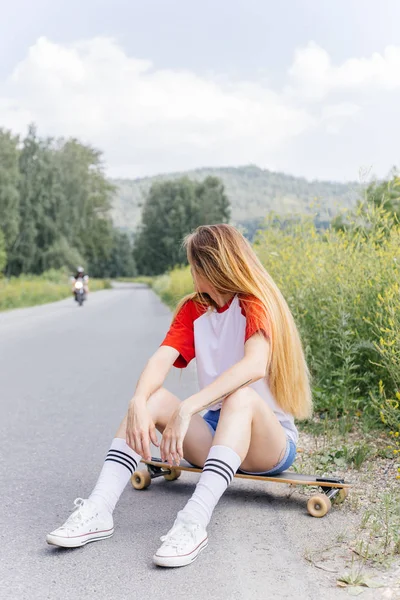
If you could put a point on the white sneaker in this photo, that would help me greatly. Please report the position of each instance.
(86, 524)
(182, 544)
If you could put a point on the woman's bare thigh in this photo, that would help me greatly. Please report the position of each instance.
(265, 453)
(267, 437)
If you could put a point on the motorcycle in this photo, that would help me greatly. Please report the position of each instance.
(79, 292)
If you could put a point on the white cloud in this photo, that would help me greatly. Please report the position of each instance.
(150, 120)
(145, 117)
(336, 116)
(313, 76)
(344, 109)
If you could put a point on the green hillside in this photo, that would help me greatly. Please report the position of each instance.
(252, 191)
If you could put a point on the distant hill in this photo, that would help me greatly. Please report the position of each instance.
(253, 193)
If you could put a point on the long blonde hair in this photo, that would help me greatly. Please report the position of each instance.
(221, 255)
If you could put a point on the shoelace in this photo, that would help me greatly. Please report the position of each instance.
(180, 533)
(77, 515)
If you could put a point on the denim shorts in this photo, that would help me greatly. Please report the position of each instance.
(212, 417)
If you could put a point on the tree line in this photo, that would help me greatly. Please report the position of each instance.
(55, 203)
(55, 212)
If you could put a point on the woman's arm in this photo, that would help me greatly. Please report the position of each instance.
(248, 370)
(154, 373)
(251, 368)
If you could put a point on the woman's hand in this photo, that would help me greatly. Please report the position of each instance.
(140, 429)
(172, 439)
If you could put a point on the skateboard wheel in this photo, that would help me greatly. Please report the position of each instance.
(340, 496)
(141, 480)
(319, 505)
(174, 474)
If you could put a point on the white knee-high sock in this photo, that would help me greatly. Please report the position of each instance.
(221, 465)
(120, 463)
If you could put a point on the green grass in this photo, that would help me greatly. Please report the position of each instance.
(379, 535)
(173, 286)
(24, 291)
(141, 279)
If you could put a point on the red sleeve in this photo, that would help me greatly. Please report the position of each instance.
(181, 335)
(256, 318)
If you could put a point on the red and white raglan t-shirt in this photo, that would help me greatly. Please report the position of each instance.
(216, 338)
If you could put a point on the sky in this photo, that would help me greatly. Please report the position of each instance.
(307, 87)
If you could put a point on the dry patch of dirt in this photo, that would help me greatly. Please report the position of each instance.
(357, 544)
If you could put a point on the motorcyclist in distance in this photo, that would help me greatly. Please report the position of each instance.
(80, 274)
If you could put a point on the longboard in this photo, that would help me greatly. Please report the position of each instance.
(333, 489)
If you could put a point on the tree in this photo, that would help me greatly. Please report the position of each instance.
(98, 247)
(213, 203)
(23, 251)
(386, 194)
(55, 203)
(39, 199)
(84, 216)
(122, 263)
(3, 255)
(61, 255)
(171, 210)
(383, 196)
(9, 182)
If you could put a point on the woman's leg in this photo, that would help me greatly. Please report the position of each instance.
(121, 461)
(252, 430)
(198, 439)
(92, 520)
(248, 435)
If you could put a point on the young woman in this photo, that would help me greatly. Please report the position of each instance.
(253, 380)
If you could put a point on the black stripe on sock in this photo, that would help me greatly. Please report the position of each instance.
(122, 460)
(222, 463)
(122, 455)
(218, 473)
(121, 463)
(209, 463)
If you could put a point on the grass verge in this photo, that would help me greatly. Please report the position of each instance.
(140, 279)
(24, 291)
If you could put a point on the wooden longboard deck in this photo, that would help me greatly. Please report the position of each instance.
(284, 477)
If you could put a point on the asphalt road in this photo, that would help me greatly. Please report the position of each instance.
(66, 376)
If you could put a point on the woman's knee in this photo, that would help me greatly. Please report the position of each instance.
(158, 397)
(244, 399)
(161, 405)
